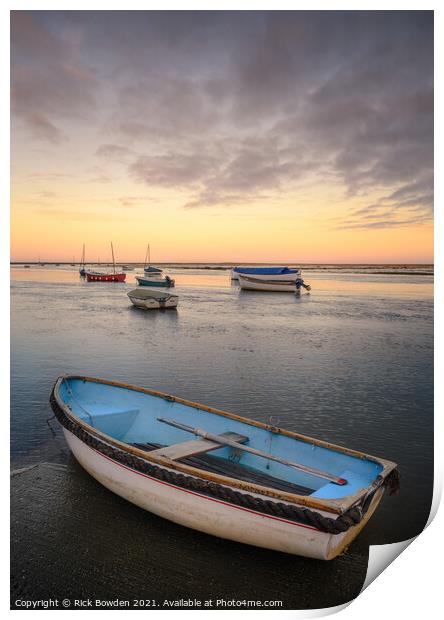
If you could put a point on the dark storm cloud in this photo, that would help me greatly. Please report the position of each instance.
(231, 107)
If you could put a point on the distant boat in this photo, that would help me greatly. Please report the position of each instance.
(82, 269)
(147, 267)
(92, 276)
(277, 273)
(257, 283)
(166, 282)
(237, 478)
(98, 276)
(127, 268)
(152, 270)
(147, 299)
(26, 266)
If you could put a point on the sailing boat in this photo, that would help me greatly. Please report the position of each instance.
(97, 276)
(147, 267)
(82, 269)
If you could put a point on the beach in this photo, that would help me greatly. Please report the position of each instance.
(350, 363)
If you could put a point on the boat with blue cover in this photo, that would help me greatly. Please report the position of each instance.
(265, 273)
(165, 282)
(218, 472)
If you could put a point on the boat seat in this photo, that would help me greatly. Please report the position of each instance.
(111, 420)
(224, 467)
(196, 446)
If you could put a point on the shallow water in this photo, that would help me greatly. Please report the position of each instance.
(351, 363)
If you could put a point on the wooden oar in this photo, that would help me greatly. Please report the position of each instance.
(266, 455)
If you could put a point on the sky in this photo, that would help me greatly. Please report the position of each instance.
(222, 136)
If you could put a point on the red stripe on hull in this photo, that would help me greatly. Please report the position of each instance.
(204, 497)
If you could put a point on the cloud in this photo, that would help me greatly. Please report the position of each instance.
(48, 85)
(75, 216)
(210, 199)
(134, 201)
(42, 128)
(296, 104)
(174, 169)
(411, 203)
(113, 152)
(232, 107)
(48, 176)
(101, 179)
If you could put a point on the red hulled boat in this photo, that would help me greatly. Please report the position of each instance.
(92, 276)
(97, 276)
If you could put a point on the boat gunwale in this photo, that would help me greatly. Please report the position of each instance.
(337, 506)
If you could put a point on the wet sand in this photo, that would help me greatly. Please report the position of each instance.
(73, 539)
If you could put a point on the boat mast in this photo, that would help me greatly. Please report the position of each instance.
(114, 262)
(147, 254)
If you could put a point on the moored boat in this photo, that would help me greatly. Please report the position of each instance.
(149, 299)
(165, 282)
(82, 267)
(265, 273)
(96, 276)
(99, 276)
(152, 270)
(237, 479)
(253, 283)
(148, 268)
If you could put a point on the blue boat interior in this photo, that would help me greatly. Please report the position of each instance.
(131, 417)
(265, 271)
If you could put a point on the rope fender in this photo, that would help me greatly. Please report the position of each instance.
(302, 515)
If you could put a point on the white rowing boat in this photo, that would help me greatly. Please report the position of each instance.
(253, 283)
(148, 299)
(237, 479)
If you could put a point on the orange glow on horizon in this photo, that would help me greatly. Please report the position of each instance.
(53, 223)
